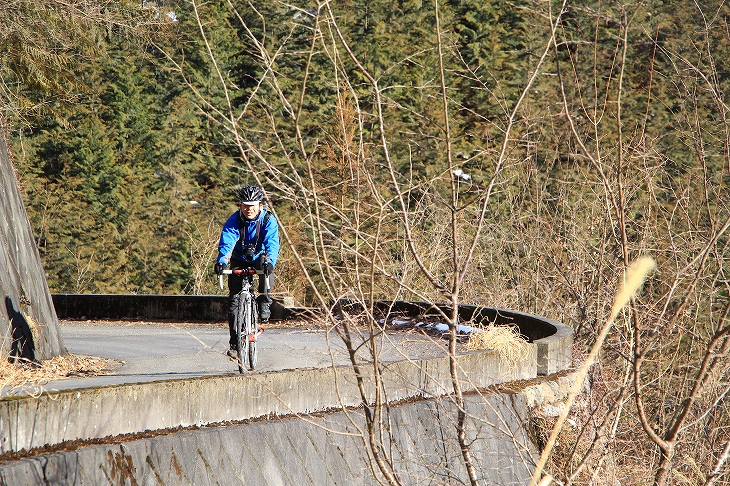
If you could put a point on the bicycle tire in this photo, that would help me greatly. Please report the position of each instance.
(253, 350)
(240, 337)
(246, 306)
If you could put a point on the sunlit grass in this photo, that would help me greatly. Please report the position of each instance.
(506, 340)
(24, 373)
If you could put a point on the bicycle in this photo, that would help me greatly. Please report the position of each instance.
(246, 321)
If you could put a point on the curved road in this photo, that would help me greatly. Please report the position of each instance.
(165, 351)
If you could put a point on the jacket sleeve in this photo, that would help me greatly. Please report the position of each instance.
(229, 237)
(271, 239)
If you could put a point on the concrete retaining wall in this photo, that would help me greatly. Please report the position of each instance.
(321, 450)
(52, 418)
(554, 340)
(149, 306)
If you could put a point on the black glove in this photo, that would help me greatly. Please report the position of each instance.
(219, 267)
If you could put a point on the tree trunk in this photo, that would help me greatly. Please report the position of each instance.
(28, 321)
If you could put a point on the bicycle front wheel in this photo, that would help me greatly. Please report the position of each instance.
(253, 350)
(246, 325)
(240, 336)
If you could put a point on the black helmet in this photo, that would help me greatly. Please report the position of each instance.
(249, 194)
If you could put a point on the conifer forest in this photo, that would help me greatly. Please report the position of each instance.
(515, 154)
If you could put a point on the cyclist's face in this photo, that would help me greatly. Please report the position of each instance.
(250, 211)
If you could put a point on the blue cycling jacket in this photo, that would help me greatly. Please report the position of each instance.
(231, 244)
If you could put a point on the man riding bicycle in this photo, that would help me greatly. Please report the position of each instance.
(250, 238)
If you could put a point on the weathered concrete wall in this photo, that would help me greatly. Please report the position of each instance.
(126, 306)
(28, 321)
(554, 340)
(149, 306)
(312, 450)
(31, 422)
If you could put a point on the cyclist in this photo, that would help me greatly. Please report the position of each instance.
(250, 237)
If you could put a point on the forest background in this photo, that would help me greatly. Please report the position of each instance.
(509, 154)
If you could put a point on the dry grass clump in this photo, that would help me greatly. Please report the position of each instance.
(25, 373)
(506, 340)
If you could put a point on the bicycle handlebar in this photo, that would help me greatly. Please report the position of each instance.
(241, 271)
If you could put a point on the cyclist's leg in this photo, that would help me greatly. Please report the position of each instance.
(263, 299)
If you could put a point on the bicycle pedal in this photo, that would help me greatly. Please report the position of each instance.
(252, 337)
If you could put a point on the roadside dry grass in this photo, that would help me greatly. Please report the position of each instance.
(23, 373)
(506, 340)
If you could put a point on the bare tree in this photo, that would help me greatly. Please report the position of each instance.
(673, 382)
(568, 181)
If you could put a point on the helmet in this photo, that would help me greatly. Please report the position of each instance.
(249, 194)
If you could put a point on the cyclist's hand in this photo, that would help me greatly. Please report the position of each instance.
(219, 267)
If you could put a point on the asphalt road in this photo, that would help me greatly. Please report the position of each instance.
(146, 352)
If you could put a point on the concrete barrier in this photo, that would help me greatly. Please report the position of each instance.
(52, 418)
(554, 340)
(153, 307)
(328, 449)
